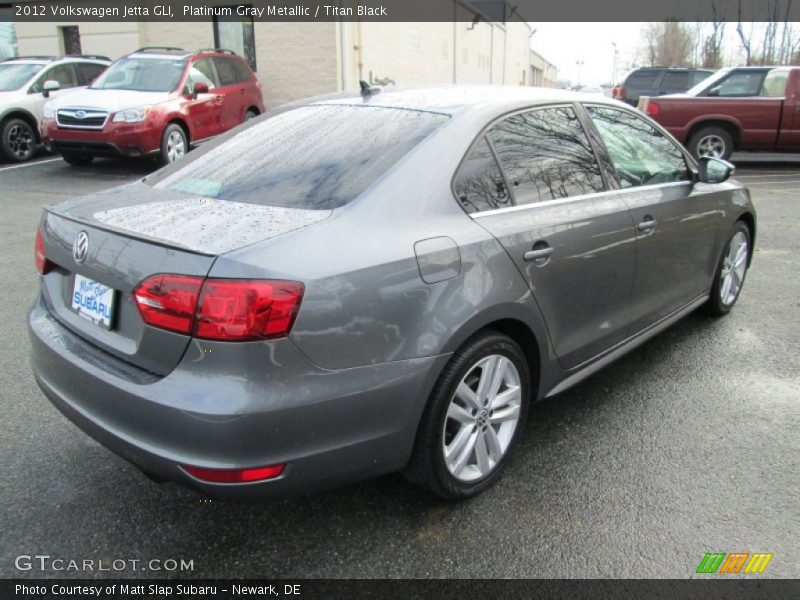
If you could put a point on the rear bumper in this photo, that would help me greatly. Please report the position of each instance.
(329, 427)
(114, 140)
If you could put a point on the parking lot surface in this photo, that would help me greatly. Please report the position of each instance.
(688, 445)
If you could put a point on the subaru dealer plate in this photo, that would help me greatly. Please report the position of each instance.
(93, 301)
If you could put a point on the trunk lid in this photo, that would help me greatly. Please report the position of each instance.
(135, 232)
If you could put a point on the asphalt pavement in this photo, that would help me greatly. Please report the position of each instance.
(688, 445)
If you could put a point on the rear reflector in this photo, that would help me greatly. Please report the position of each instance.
(42, 264)
(220, 309)
(234, 475)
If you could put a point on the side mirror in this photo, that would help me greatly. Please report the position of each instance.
(51, 85)
(714, 170)
(199, 88)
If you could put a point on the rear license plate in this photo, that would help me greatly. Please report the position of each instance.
(93, 301)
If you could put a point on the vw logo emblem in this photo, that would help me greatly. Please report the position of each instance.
(80, 114)
(80, 249)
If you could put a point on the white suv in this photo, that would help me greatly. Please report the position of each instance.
(25, 85)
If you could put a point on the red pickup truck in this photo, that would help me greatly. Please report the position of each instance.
(746, 108)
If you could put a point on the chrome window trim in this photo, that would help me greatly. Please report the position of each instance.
(547, 203)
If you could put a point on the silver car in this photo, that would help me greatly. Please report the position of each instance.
(359, 285)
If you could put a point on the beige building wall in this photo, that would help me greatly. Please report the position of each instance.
(112, 39)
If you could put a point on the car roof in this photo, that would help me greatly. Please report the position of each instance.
(42, 60)
(454, 99)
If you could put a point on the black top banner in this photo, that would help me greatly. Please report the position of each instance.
(405, 10)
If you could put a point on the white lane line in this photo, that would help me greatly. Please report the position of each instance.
(760, 184)
(780, 191)
(30, 164)
(753, 173)
(767, 176)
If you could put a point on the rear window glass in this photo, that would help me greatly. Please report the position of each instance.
(315, 157)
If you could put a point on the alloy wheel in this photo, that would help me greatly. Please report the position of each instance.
(176, 146)
(734, 266)
(20, 142)
(712, 146)
(481, 418)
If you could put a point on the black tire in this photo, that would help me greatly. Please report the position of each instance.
(250, 114)
(77, 160)
(18, 142)
(715, 305)
(705, 133)
(427, 466)
(173, 129)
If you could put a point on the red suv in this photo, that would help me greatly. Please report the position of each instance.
(154, 102)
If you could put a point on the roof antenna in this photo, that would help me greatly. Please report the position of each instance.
(367, 89)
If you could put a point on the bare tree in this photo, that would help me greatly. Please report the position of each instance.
(712, 45)
(745, 38)
(668, 43)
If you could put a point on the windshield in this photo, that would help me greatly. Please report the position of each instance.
(14, 75)
(317, 157)
(142, 75)
(708, 81)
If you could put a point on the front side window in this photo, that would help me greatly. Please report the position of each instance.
(142, 75)
(63, 74)
(479, 184)
(315, 157)
(14, 75)
(545, 155)
(201, 71)
(226, 70)
(738, 84)
(641, 154)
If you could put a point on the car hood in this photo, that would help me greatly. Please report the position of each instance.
(186, 221)
(109, 100)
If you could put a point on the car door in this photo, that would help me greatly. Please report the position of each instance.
(232, 91)
(205, 111)
(66, 77)
(571, 238)
(677, 221)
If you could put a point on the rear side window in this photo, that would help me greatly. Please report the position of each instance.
(642, 79)
(699, 76)
(479, 184)
(88, 71)
(675, 80)
(641, 154)
(774, 85)
(226, 71)
(316, 157)
(545, 154)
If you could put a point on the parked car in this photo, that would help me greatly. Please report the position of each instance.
(591, 89)
(155, 102)
(26, 83)
(362, 285)
(747, 108)
(657, 81)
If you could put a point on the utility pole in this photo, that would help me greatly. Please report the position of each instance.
(615, 63)
(579, 64)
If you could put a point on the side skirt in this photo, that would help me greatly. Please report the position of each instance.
(626, 346)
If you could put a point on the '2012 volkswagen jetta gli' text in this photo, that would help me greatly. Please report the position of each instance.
(352, 286)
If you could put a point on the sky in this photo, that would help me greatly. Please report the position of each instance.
(564, 44)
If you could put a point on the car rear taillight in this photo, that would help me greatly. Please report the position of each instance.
(220, 309)
(169, 301)
(235, 309)
(42, 264)
(619, 92)
(234, 475)
(653, 109)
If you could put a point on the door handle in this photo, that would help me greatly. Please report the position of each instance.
(541, 252)
(648, 224)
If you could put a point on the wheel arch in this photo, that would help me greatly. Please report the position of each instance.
(182, 124)
(19, 113)
(749, 219)
(729, 125)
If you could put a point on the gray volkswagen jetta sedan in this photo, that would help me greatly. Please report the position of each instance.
(353, 286)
